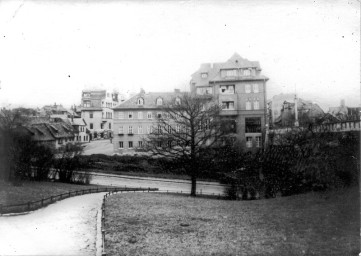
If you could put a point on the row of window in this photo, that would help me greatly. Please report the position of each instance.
(249, 143)
(238, 72)
(159, 129)
(158, 102)
(91, 126)
(108, 104)
(81, 129)
(130, 115)
(228, 89)
(251, 104)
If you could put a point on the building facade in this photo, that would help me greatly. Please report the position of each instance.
(97, 111)
(136, 117)
(240, 88)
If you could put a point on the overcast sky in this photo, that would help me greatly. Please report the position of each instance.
(51, 50)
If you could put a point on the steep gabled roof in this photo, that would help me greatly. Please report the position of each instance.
(213, 71)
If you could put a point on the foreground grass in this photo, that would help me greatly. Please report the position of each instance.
(160, 224)
(34, 190)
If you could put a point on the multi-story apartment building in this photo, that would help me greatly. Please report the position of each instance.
(135, 118)
(239, 87)
(96, 110)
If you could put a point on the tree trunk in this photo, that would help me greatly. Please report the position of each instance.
(194, 185)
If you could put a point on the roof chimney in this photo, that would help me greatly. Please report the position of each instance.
(342, 103)
(177, 90)
(142, 91)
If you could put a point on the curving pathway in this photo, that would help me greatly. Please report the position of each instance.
(67, 227)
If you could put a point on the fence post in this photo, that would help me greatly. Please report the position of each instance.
(29, 206)
(51, 199)
(42, 202)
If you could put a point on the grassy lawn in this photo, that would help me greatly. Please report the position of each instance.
(33, 190)
(160, 224)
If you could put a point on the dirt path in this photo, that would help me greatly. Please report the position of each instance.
(68, 227)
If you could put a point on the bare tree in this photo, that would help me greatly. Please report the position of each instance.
(183, 132)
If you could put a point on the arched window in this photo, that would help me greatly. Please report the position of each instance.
(140, 101)
(159, 102)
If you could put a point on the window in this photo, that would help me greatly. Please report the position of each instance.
(130, 130)
(86, 104)
(204, 90)
(256, 103)
(253, 125)
(246, 72)
(255, 88)
(121, 145)
(101, 125)
(130, 115)
(204, 75)
(140, 101)
(149, 115)
(228, 105)
(227, 89)
(159, 115)
(248, 88)
(169, 144)
(130, 144)
(140, 129)
(110, 126)
(60, 141)
(90, 114)
(177, 128)
(86, 94)
(140, 144)
(200, 125)
(91, 125)
(120, 130)
(177, 101)
(121, 115)
(258, 141)
(148, 129)
(159, 102)
(248, 105)
(248, 142)
(159, 144)
(159, 130)
(140, 115)
(102, 103)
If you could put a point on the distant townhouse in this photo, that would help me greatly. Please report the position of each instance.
(54, 135)
(240, 88)
(96, 110)
(136, 117)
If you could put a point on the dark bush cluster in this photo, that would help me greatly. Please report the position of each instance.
(299, 163)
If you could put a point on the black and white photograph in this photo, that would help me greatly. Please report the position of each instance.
(180, 127)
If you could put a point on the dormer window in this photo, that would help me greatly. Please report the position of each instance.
(159, 102)
(140, 101)
(204, 75)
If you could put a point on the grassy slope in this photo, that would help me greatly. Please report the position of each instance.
(309, 224)
(31, 191)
